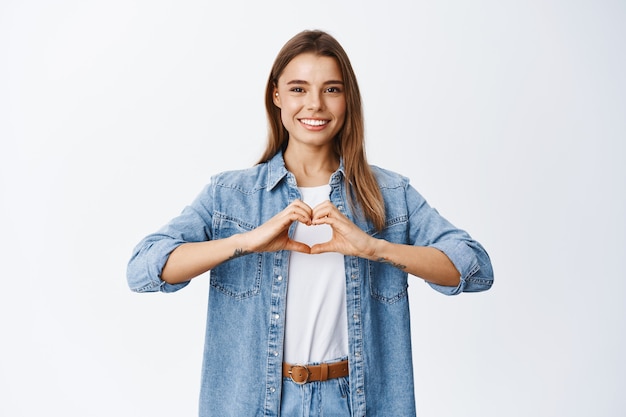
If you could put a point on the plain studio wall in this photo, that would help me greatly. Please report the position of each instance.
(509, 116)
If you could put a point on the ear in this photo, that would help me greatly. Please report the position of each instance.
(276, 97)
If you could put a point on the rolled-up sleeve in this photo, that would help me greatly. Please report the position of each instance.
(429, 228)
(472, 262)
(146, 264)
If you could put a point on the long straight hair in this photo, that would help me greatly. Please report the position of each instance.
(349, 142)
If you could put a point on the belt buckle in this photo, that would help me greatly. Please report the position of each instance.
(306, 379)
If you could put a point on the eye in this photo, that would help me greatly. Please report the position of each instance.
(333, 90)
(297, 90)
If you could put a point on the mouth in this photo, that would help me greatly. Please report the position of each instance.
(314, 122)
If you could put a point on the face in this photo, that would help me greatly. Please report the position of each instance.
(311, 98)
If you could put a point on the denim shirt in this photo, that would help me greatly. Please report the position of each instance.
(242, 366)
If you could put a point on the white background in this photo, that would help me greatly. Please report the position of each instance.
(509, 116)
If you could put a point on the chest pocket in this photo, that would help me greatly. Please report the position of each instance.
(239, 277)
(389, 284)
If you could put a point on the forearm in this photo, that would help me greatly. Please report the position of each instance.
(428, 263)
(192, 259)
(189, 260)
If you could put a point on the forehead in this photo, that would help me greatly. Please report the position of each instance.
(311, 67)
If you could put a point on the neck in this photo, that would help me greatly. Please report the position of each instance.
(311, 167)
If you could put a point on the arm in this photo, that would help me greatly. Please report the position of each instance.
(425, 262)
(428, 263)
(184, 248)
(436, 251)
(192, 259)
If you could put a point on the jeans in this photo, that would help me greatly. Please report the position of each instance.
(329, 398)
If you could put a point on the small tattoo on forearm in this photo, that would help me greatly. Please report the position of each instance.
(388, 262)
(239, 253)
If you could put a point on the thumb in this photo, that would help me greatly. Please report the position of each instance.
(322, 248)
(292, 245)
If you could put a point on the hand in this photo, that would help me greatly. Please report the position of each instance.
(347, 239)
(273, 235)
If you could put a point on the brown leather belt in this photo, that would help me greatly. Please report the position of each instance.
(301, 374)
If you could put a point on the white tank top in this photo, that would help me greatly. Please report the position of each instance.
(316, 328)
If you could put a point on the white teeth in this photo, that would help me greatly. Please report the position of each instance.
(313, 122)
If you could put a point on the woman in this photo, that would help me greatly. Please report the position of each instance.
(309, 253)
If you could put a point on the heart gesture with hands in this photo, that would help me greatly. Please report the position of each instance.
(347, 238)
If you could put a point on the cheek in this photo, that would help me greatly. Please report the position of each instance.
(286, 117)
(288, 110)
(283, 118)
(286, 106)
(341, 114)
(339, 109)
(285, 111)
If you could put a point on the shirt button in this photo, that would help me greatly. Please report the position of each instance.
(276, 316)
(279, 278)
(275, 353)
(356, 317)
(357, 354)
(272, 389)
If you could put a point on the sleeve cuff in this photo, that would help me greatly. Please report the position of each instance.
(155, 259)
(463, 259)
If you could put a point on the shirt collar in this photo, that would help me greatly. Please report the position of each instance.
(278, 171)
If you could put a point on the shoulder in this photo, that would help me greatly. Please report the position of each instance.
(389, 179)
(249, 179)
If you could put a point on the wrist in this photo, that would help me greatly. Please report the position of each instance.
(239, 245)
(376, 249)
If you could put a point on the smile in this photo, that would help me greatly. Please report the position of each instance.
(314, 122)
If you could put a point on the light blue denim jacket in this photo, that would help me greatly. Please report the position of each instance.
(242, 373)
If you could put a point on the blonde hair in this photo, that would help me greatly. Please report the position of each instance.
(350, 141)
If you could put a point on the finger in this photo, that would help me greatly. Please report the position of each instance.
(321, 213)
(322, 248)
(292, 214)
(299, 211)
(300, 204)
(326, 209)
(300, 215)
(323, 220)
(295, 246)
(332, 218)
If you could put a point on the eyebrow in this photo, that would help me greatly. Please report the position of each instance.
(300, 82)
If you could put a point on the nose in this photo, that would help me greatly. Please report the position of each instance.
(315, 101)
